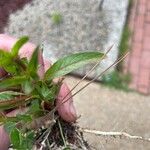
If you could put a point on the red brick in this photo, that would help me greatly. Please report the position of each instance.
(139, 21)
(147, 18)
(147, 30)
(139, 61)
(143, 2)
(144, 77)
(132, 15)
(146, 43)
(134, 65)
(131, 25)
(148, 5)
(138, 35)
(145, 60)
(143, 90)
(136, 49)
(142, 8)
(134, 80)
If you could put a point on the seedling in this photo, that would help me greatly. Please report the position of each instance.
(40, 125)
(23, 87)
(56, 18)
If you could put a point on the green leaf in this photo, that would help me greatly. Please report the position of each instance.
(6, 61)
(27, 87)
(4, 119)
(42, 89)
(34, 107)
(6, 95)
(45, 92)
(67, 148)
(69, 63)
(33, 63)
(24, 60)
(9, 126)
(24, 117)
(53, 91)
(13, 103)
(56, 18)
(12, 68)
(18, 45)
(16, 138)
(14, 81)
(5, 58)
(28, 140)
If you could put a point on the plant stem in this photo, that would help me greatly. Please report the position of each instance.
(61, 132)
(43, 142)
(114, 134)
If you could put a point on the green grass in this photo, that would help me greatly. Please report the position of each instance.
(124, 43)
(116, 80)
(56, 18)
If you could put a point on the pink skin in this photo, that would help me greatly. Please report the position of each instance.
(66, 111)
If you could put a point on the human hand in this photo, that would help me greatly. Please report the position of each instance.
(66, 111)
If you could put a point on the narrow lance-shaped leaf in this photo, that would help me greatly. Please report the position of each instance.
(14, 81)
(13, 103)
(27, 87)
(6, 95)
(33, 63)
(16, 138)
(5, 58)
(9, 125)
(18, 45)
(7, 62)
(69, 63)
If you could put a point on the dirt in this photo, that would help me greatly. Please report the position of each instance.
(74, 139)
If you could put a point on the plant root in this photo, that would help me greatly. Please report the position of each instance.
(62, 136)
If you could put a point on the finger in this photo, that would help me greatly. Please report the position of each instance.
(7, 42)
(47, 64)
(67, 110)
(4, 138)
(4, 143)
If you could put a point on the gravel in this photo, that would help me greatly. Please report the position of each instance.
(83, 28)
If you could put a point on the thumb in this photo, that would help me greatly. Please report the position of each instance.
(67, 110)
(4, 144)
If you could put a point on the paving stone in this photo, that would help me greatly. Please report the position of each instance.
(83, 27)
(107, 109)
(144, 77)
